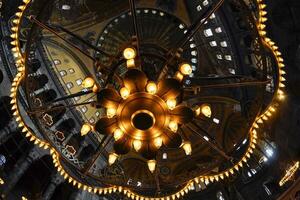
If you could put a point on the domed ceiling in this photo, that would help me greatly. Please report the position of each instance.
(149, 99)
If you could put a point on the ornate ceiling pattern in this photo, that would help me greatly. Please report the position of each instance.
(136, 114)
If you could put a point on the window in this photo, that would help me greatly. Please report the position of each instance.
(208, 32)
(84, 109)
(66, 7)
(63, 73)
(223, 44)
(218, 30)
(213, 43)
(71, 70)
(70, 85)
(79, 81)
(57, 62)
(217, 121)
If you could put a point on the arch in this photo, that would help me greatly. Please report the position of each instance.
(13, 149)
(63, 191)
(34, 180)
(47, 95)
(5, 111)
(37, 82)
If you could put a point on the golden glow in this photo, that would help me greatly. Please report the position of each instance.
(185, 189)
(173, 126)
(186, 69)
(95, 88)
(130, 63)
(151, 165)
(112, 158)
(179, 76)
(151, 87)
(24, 198)
(88, 82)
(1, 181)
(206, 110)
(171, 103)
(85, 129)
(137, 145)
(125, 92)
(158, 142)
(129, 53)
(187, 147)
(111, 112)
(289, 174)
(118, 133)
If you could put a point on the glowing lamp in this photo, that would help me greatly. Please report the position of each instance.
(151, 88)
(88, 82)
(151, 165)
(111, 112)
(112, 158)
(85, 129)
(129, 53)
(118, 133)
(130, 63)
(187, 147)
(137, 145)
(186, 69)
(158, 142)
(171, 103)
(173, 126)
(206, 110)
(179, 76)
(124, 92)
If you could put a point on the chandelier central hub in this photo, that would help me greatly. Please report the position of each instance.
(143, 120)
(142, 116)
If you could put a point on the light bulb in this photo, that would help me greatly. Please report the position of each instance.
(130, 63)
(179, 76)
(158, 142)
(206, 110)
(197, 110)
(124, 92)
(171, 103)
(95, 88)
(173, 126)
(151, 165)
(112, 158)
(151, 87)
(129, 53)
(111, 112)
(186, 69)
(187, 147)
(118, 133)
(88, 82)
(85, 129)
(137, 145)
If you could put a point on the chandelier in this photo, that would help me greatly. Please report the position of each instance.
(161, 103)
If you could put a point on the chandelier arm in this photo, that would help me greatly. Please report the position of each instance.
(82, 40)
(104, 142)
(135, 25)
(78, 94)
(54, 108)
(241, 84)
(219, 78)
(214, 146)
(192, 30)
(44, 26)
